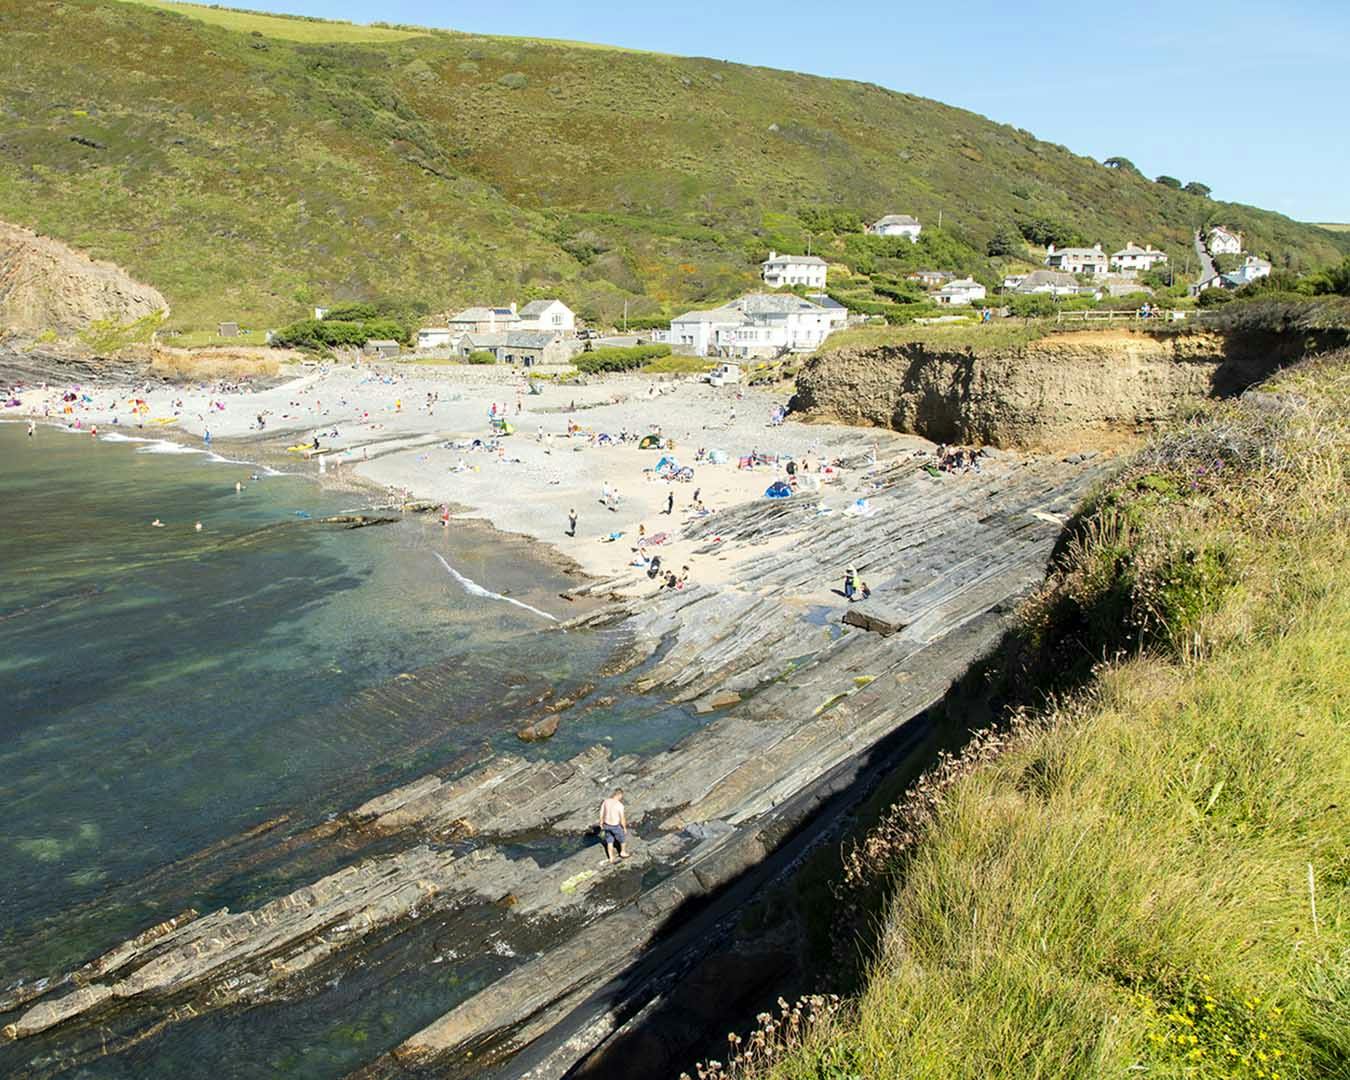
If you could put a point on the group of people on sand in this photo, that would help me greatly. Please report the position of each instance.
(954, 459)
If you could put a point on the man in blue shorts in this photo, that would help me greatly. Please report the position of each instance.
(614, 825)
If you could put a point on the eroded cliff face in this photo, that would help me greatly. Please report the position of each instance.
(1071, 389)
(47, 286)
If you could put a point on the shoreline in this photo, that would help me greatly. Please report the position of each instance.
(792, 686)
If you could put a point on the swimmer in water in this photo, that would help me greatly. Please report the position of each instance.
(157, 524)
(198, 527)
(238, 486)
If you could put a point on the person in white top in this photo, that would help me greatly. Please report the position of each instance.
(614, 825)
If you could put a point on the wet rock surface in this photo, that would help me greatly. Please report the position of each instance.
(795, 699)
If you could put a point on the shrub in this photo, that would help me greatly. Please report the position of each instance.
(1005, 241)
(1169, 181)
(619, 359)
(1197, 188)
(480, 356)
(1033, 306)
(1213, 298)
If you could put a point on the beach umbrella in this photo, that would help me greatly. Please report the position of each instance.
(778, 490)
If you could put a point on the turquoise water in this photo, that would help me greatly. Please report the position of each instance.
(166, 690)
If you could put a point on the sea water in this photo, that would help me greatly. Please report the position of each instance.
(166, 689)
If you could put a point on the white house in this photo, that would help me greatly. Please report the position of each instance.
(961, 291)
(1251, 269)
(1223, 241)
(435, 337)
(1134, 257)
(1042, 282)
(552, 316)
(779, 270)
(761, 324)
(897, 225)
(1075, 260)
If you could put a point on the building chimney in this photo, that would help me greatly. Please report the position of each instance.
(1096, 247)
(1051, 249)
(772, 254)
(513, 307)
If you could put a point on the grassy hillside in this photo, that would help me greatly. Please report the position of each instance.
(250, 166)
(1152, 878)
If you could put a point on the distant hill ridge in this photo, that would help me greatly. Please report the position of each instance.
(251, 166)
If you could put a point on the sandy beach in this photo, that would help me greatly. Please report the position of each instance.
(424, 433)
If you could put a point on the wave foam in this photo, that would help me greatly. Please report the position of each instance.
(474, 589)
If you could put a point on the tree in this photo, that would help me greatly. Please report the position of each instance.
(1169, 181)
(1195, 188)
(1005, 241)
(1124, 164)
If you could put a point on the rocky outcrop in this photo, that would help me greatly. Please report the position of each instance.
(1062, 390)
(47, 286)
(797, 704)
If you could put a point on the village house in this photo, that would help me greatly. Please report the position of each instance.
(956, 293)
(484, 320)
(1133, 258)
(1075, 260)
(548, 315)
(779, 270)
(435, 337)
(761, 324)
(1042, 282)
(896, 225)
(1251, 269)
(526, 348)
(1223, 241)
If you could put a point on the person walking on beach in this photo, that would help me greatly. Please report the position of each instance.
(32, 428)
(670, 502)
(850, 584)
(614, 825)
(572, 522)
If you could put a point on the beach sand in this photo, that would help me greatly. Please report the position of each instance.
(377, 425)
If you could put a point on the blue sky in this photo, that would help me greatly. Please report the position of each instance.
(1250, 98)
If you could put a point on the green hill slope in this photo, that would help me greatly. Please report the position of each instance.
(249, 166)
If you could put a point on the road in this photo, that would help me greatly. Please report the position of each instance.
(1207, 270)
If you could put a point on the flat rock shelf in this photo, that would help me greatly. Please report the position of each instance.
(795, 686)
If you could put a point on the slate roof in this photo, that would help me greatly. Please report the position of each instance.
(799, 260)
(895, 219)
(538, 307)
(1039, 278)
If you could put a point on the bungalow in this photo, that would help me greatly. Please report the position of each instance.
(1134, 257)
(761, 324)
(381, 347)
(956, 293)
(484, 320)
(1224, 241)
(550, 315)
(897, 225)
(1076, 260)
(779, 270)
(1044, 282)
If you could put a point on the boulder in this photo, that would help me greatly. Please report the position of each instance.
(870, 615)
(539, 730)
